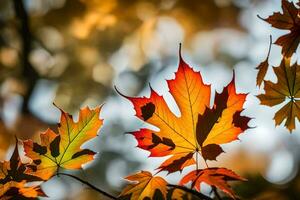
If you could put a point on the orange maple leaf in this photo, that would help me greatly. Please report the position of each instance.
(179, 194)
(216, 177)
(289, 19)
(19, 190)
(198, 129)
(14, 181)
(144, 184)
(63, 150)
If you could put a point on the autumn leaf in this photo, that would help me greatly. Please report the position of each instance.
(287, 87)
(263, 67)
(216, 177)
(13, 179)
(63, 150)
(14, 170)
(289, 19)
(144, 184)
(199, 128)
(19, 191)
(178, 194)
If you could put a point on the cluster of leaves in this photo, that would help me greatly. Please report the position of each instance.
(198, 131)
(53, 152)
(288, 77)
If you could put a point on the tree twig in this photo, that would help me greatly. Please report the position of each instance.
(193, 192)
(216, 193)
(89, 184)
(30, 74)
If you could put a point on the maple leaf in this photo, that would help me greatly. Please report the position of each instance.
(199, 128)
(13, 179)
(19, 191)
(263, 67)
(287, 86)
(178, 194)
(14, 170)
(144, 184)
(289, 19)
(216, 177)
(63, 150)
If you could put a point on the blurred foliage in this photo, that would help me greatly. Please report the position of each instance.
(73, 40)
(80, 48)
(258, 188)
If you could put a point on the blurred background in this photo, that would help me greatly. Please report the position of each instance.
(73, 52)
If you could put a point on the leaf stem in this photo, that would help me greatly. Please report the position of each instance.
(206, 163)
(260, 17)
(89, 184)
(270, 46)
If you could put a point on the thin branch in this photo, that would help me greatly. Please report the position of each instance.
(89, 184)
(193, 192)
(28, 72)
(216, 193)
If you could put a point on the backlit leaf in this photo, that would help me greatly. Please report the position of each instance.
(287, 87)
(63, 150)
(143, 185)
(216, 177)
(19, 191)
(14, 170)
(200, 128)
(13, 180)
(178, 194)
(289, 19)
